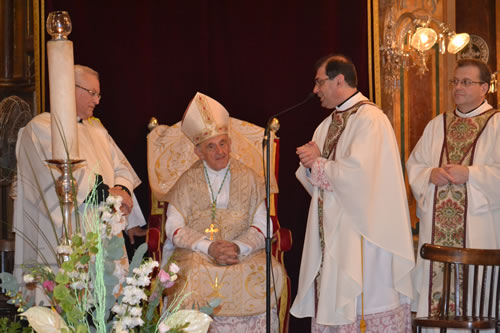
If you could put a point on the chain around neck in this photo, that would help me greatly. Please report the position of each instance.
(214, 197)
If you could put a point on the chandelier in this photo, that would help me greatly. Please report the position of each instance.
(408, 40)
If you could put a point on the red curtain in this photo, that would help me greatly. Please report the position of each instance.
(255, 57)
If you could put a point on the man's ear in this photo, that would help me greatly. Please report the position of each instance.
(485, 88)
(340, 79)
(198, 152)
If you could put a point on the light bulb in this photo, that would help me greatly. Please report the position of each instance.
(423, 39)
(458, 42)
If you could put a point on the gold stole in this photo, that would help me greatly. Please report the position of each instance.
(450, 201)
(335, 130)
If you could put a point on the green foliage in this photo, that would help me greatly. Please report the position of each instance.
(9, 283)
(7, 326)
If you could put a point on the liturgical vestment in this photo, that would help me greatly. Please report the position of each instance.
(364, 197)
(482, 211)
(37, 203)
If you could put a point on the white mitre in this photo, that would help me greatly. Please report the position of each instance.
(204, 118)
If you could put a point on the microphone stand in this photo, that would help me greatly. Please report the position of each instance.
(272, 125)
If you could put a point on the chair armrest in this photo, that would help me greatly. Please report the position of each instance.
(154, 237)
(283, 239)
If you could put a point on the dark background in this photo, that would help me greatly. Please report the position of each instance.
(255, 57)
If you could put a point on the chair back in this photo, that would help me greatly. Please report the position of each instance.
(470, 291)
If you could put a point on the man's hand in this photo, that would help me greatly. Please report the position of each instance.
(135, 232)
(308, 153)
(440, 177)
(459, 173)
(127, 203)
(224, 252)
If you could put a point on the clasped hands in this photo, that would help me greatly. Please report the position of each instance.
(224, 252)
(308, 153)
(449, 174)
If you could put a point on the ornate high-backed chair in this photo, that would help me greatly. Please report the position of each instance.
(170, 153)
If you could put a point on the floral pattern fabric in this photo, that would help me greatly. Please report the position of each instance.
(392, 321)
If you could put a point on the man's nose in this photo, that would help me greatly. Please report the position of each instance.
(315, 89)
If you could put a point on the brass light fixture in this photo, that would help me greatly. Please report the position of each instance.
(408, 39)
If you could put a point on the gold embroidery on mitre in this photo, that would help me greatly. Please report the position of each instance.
(211, 129)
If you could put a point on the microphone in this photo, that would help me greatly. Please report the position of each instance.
(279, 114)
(274, 125)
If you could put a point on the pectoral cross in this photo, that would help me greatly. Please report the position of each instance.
(212, 230)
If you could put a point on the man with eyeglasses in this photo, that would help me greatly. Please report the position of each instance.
(358, 250)
(454, 173)
(37, 205)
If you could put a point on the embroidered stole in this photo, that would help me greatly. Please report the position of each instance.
(450, 201)
(335, 130)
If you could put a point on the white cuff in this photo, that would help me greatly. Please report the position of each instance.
(202, 246)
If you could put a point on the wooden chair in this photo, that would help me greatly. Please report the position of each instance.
(477, 303)
(170, 153)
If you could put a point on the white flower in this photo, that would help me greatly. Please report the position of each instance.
(42, 319)
(28, 278)
(173, 277)
(106, 215)
(198, 321)
(174, 268)
(131, 322)
(119, 309)
(135, 311)
(143, 281)
(117, 325)
(118, 227)
(113, 200)
(79, 285)
(131, 281)
(133, 295)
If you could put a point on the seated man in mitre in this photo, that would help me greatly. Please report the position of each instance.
(216, 220)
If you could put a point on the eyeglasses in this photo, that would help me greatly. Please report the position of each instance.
(91, 92)
(320, 82)
(464, 82)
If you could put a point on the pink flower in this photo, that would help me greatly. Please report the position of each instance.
(49, 285)
(163, 276)
(169, 284)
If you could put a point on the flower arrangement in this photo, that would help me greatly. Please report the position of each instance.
(95, 290)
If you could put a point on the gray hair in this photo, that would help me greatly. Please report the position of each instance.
(80, 69)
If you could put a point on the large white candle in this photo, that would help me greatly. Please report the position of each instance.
(62, 99)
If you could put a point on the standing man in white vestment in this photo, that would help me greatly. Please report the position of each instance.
(454, 173)
(358, 251)
(37, 205)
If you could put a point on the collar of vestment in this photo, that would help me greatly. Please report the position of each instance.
(484, 106)
(351, 101)
(213, 173)
(348, 98)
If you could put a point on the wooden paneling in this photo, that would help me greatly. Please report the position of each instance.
(478, 17)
